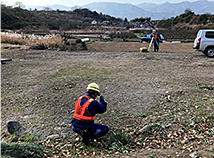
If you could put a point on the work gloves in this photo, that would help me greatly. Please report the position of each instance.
(101, 97)
(102, 101)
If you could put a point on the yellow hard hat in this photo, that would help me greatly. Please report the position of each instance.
(94, 87)
(153, 31)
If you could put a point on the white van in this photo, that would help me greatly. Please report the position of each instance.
(204, 42)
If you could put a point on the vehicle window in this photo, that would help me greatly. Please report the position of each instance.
(161, 36)
(199, 33)
(209, 34)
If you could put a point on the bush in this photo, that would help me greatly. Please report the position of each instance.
(38, 46)
(78, 41)
(21, 150)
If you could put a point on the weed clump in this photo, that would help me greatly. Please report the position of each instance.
(204, 87)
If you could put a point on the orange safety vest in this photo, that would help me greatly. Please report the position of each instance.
(81, 112)
(156, 35)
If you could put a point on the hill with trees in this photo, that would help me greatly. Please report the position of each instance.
(188, 20)
(185, 26)
(18, 18)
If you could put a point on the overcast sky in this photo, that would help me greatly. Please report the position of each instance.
(72, 3)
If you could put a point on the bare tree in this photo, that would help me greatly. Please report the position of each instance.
(187, 10)
(47, 8)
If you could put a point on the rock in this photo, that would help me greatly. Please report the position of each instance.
(146, 130)
(13, 126)
(23, 130)
(51, 137)
(194, 154)
(57, 128)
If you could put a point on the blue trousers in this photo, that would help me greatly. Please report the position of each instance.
(156, 45)
(94, 132)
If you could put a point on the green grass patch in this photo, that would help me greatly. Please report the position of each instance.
(6, 44)
(10, 45)
(80, 73)
(204, 86)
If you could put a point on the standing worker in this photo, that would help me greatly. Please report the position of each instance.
(156, 40)
(86, 107)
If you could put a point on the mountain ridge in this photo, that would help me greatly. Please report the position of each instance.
(130, 11)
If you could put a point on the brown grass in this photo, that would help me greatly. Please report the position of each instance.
(12, 38)
(34, 41)
(49, 41)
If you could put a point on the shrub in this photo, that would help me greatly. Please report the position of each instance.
(78, 41)
(38, 46)
(22, 150)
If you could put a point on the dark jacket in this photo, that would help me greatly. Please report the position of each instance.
(156, 36)
(94, 108)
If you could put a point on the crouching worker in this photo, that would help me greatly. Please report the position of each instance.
(86, 107)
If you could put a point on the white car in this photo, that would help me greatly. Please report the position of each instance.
(106, 38)
(204, 42)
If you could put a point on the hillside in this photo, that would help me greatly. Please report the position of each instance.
(18, 18)
(188, 21)
(80, 19)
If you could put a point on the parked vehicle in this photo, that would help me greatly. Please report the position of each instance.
(147, 38)
(204, 42)
(106, 38)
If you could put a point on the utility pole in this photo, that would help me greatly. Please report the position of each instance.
(172, 18)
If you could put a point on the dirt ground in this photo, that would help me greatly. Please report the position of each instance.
(39, 88)
(134, 46)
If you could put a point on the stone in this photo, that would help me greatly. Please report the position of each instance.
(146, 130)
(13, 126)
(194, 154)
(52, 137)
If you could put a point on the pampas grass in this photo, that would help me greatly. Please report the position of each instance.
(34, 41)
